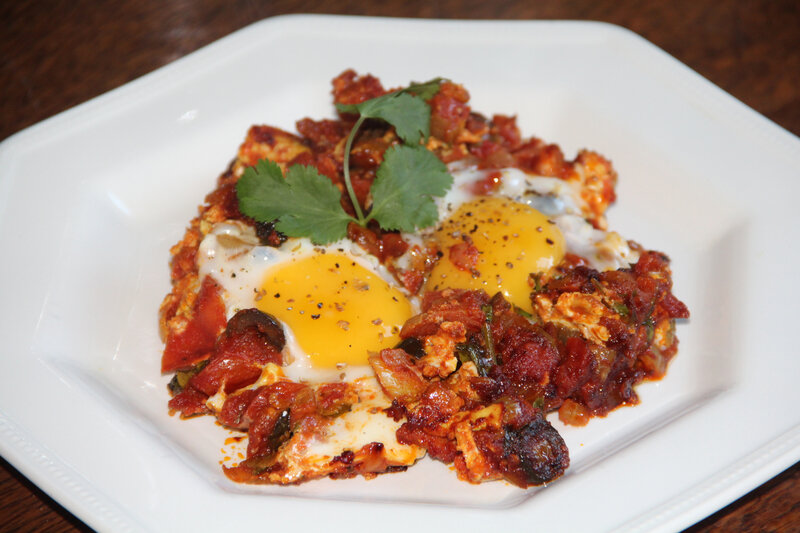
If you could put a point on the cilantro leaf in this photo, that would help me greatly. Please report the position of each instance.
(405, 109)
(261, 190)
(425, 90)
(314, 207)
(305, 203)
(403, 190)
(410, 116)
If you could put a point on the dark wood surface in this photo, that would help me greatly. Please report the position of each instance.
(56, 54)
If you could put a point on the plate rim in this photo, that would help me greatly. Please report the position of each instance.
(76, 493)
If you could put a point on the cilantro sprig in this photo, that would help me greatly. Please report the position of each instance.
(305, 203)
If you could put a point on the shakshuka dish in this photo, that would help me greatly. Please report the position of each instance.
(411, 278)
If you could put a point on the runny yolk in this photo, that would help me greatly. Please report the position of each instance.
(337, 309)
(494, 244)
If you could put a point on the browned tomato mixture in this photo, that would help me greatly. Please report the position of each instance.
(473, 374)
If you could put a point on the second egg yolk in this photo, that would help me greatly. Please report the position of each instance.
(494, 244)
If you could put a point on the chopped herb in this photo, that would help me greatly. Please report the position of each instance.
(521, 312)
(182, 377)
(304, 203)
(486, 330)
(307, 204)
(650, 329)
(621, 309)
(472, 352)
(535, 279)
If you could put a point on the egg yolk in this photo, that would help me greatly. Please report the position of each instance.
(494, 244)
(337, 309)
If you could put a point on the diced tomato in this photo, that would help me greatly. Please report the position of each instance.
(189, 402)
(464, 255)
(196, 341)
(349, 88)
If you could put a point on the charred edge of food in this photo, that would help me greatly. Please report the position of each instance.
(536, 453)
(268, 235)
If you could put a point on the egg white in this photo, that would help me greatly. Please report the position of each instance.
(560, 200)
(232, 255)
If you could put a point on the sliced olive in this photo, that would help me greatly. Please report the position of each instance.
(266, 324)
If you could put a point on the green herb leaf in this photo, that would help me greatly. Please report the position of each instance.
(425, 90)
(410, 115)
(621, 309)
(523, 313)
(261, 190)
(472, 352)
(535, 278)
(305, 203)
(313, 206)
(403, 191)
(486, 331)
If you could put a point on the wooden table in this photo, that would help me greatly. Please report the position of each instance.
(54, 55)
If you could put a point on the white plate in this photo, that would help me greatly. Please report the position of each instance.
(92, 199)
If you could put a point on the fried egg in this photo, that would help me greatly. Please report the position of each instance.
(526, 226)
(507, 240)
(336, 302)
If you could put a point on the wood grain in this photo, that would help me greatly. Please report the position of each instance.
(57, 54)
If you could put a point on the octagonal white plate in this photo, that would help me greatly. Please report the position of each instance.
(92, 199)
